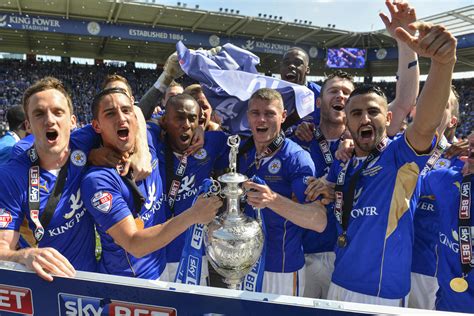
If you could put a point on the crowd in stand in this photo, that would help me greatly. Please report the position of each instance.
(82, 82)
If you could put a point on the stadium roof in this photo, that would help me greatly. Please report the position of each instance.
(195, 20)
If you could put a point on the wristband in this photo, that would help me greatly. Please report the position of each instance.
(412, 64)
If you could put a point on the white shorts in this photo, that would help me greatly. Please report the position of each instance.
(319, 269)
(338, 293)
(423, 291)
(291, 283)
(169, 273)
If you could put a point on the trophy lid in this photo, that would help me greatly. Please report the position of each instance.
(233, 177)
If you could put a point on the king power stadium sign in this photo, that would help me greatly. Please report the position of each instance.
(49, 24)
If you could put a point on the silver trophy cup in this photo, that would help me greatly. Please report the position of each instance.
(233, 240)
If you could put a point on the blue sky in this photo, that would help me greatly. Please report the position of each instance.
(354, 15)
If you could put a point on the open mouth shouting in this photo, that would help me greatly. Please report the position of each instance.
(52, 136)
(366, 134)
(123, 134)
(184, 137)
(291, 77)
(261, 130)
(338, 107)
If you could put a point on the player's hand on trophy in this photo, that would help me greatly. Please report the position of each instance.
(259, 195)
(345, 150)
(319, 187)
(205, 209)
(433, 41)
(47, 262)
(304, 131)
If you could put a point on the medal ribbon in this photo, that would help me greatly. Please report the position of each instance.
(344, 202)
(138, 199)
(439, 150)
(270, 150)
(34, 195)
(254, 279)
(464, 223)
(190, 264)
(323, 146)
(173, 179)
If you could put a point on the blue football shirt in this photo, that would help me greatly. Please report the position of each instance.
(71, 230)
(285, 173)
(109, 200)
(425, 256)
(199, 167)
(444, 184)
(314, 242)
(377, 259)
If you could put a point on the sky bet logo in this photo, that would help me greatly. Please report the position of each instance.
(16, 300)
(72, 305)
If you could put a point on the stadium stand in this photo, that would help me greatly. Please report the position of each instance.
(83, 82)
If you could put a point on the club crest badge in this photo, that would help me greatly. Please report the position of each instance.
(102, 201)
(200, 154)
(78, 158)
(274, 166)
(442, 163)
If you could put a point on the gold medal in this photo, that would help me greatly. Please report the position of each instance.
(342, 241)
(458, 285)
(140, 223)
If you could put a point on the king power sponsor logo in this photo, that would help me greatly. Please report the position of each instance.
(30, 23)
(64, 227)
(73, 305)
(365, 211)
(15, 300)
(451, 244)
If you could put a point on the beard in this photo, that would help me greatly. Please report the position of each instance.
(368, 146)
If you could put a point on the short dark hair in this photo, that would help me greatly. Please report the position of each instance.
(179, 98)
(15, 117)
(339, 74)
(299, 49)
(366, 89)
(114, 77)
(99, 96)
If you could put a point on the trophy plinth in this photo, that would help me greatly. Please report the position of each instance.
(233, 240)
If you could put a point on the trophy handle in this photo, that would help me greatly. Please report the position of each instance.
(214, 189)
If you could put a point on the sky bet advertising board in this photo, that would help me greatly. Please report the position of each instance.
(91, 294)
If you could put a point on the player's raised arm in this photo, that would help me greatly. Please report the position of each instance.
(437, 43)
(401, 15)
